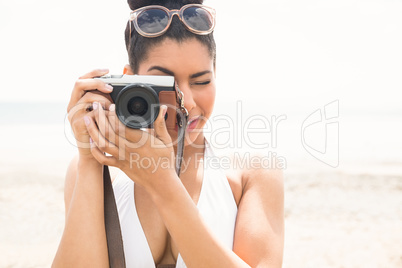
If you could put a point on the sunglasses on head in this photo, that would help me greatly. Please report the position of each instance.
(153, 21)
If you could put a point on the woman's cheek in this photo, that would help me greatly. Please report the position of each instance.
(208, 100)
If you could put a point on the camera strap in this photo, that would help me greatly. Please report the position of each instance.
(182, 118)
(112, 224)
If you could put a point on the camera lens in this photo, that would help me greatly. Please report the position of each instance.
(137, 106)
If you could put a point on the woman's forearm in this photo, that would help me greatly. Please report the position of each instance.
(83, 243)
(196, 243)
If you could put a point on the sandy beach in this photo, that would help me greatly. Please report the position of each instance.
(334, 218)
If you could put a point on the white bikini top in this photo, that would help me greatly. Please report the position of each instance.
(216, 205)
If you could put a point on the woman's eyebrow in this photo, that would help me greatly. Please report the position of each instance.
(163, 70)
(169, 72)
(200, 74)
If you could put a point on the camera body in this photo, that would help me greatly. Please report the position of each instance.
(138, 99)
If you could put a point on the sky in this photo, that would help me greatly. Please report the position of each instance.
(287, 55)
(288, 61)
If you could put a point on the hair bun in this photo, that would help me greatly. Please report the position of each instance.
(134, 4)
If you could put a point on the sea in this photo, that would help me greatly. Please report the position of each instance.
(364, 143)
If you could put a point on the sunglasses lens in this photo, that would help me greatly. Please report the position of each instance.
(198, 18)
(153, 21)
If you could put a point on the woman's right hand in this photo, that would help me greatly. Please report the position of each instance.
(86, 91)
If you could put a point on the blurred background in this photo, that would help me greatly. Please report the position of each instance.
(318, 81)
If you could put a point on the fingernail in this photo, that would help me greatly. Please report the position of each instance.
(95, 105)
(91, 142)
(108, 87)
(86, 120)
(164, 107)
(112, 107)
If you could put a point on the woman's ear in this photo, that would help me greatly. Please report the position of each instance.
(127, 70)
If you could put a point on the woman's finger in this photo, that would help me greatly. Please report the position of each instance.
(102, 158)
(103, 144)
(135, 137)
(96, 96)
(84, 105)
(82, 86)
(104, 126)
(160, 126)
(113, 120)
(95, 73)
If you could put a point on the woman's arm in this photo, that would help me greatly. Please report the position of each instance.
(259, 233)
(196, 243)
(83, 243)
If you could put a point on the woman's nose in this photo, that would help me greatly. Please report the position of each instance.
(189, 102)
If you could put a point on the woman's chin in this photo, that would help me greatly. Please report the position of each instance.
(194, 137)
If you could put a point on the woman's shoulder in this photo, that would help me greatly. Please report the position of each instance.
(250, 171)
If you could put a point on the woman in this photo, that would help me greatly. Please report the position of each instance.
(202, 219)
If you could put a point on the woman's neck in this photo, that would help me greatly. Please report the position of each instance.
(193, 154)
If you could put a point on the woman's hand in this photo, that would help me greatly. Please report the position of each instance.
(145, 156)
(86, 90)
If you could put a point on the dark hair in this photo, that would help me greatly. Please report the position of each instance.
(139, 46)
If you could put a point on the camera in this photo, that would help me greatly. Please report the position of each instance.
(138, 99)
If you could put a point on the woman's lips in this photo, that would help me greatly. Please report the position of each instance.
(192, 124)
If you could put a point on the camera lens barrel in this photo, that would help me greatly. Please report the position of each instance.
(137, 105)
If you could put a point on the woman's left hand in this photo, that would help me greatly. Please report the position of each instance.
(144, 156)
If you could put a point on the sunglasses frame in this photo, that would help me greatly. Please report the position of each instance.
(179, 12)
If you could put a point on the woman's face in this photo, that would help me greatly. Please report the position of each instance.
(192, 67)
